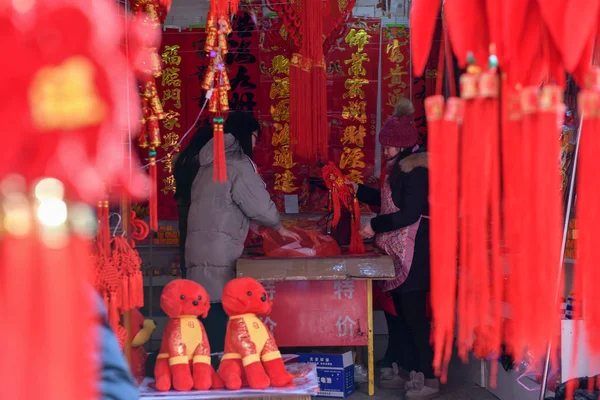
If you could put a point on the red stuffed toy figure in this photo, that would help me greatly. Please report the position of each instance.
(141, 331)
(250, 349)
(184, 358)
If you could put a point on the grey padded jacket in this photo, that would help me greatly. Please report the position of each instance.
(220, 215)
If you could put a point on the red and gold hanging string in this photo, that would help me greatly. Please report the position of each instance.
(216, 81)
(341, 194)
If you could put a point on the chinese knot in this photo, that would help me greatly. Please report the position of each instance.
(341, 194)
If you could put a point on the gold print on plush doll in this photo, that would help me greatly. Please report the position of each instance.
(250, 349)
(184, 358)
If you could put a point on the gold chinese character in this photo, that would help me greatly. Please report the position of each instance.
(355, 176)
(280, 88)
(354, 87)
(356, 110)
(172, 94)
(357, 69)
(357, 39)
(171, 139)
(395, 77)
(171, 120)
(283, 158)
(170, 77)
(280, 65)
(352, 158)
(171, 55)
(354, 135)
(281, 111)
(169, 182)
(394, 52)
(394, 97)
(168, 161)
(285, 182)
(281, 136)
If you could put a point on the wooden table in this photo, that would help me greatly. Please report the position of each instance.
(321, 302)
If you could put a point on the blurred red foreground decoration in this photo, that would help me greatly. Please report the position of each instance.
(506, 131)
(65, 113)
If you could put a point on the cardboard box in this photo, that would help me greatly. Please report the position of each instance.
(366, 266)
(335, 372)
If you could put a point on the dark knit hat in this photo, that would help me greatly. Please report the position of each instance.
(399, 132)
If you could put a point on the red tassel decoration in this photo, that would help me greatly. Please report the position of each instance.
(337, 208)
(467, 269)
(440, 298)
(308, 97)
(512, 203)
(588, 219)
(340, 194)
(551, 112)
(489, 86)
(220, 166)
(357, 245)
(443, 141)
(153, 201)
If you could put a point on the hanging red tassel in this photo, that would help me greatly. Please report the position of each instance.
(308, 122)
(551, 112)
(337, 208)
(489, 86)
(153, 201)
(588, 219)
(467, 266)
(512, 204)
(357, 245)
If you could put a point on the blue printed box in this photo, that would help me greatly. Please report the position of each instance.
(335, 372)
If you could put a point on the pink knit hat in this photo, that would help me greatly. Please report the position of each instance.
(399, 131)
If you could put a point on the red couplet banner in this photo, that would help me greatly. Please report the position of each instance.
(318, 313)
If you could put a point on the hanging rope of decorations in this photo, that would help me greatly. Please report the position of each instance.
(216, 81)
(146, 12)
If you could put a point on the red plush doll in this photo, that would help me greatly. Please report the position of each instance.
(184, 357)
(141, 331)
(250, 349)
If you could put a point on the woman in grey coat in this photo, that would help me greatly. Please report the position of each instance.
(220, 215)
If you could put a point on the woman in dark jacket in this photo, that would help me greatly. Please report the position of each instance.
(402, 231)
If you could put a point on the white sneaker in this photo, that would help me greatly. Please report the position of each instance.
(429, 390)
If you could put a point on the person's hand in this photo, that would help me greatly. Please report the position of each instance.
(353, 184)
(367, 231)
(284, 232)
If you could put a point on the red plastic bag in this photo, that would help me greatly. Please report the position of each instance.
(312, 244)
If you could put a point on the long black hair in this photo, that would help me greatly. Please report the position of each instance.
(242, 126)
(187, 164)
